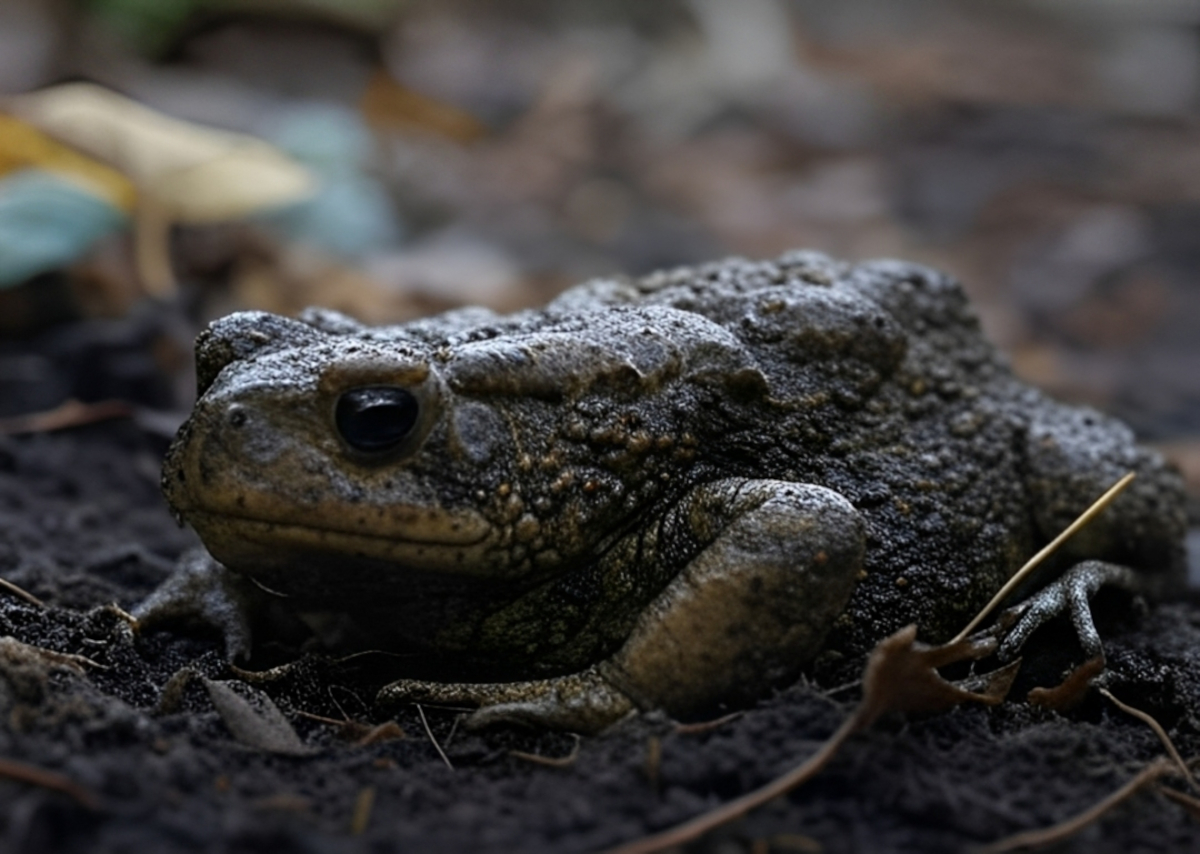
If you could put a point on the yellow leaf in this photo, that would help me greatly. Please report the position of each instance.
(25, 147)
(195, 174)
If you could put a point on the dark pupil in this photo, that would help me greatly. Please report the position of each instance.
(376, 418)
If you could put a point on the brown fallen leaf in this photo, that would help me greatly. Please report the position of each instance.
(900, 676)
(1070, 692)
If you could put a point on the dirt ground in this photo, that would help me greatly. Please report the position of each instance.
(82, 525)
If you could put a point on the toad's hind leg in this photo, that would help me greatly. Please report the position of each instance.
(746, 613)
(752, 608)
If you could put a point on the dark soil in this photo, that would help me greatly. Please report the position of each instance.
(82, 525)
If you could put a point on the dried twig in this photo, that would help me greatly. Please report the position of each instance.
(50, 656)
(20, 593)
(701, 824)
(69, 413)
(1192, 805)
(1022, 573)
(1162, 736)
(550, 761)
(434, 741)
(1064, 830)
(701, 727)
(35, 776)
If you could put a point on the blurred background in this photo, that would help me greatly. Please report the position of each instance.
(163, 162)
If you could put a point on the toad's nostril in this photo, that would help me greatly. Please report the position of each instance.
(236, 416)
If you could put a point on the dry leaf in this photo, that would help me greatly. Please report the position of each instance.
(256, 723)
(1071, 691)
(23, 146)
(196, 174)
(901, 676)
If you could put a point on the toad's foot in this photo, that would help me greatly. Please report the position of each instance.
(582, 702)
(1067, 594)
(202, 592)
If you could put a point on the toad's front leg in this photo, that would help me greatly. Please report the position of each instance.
(748, 612)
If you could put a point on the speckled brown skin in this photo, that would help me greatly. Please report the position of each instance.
(666, 492)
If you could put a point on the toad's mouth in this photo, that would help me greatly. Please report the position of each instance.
(446, 544)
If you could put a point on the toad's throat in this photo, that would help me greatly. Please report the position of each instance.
(241, 541)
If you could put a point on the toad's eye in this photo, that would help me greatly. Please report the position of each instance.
(376, 418)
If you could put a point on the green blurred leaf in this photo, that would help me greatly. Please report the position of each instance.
(46, 223)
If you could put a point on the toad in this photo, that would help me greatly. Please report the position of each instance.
(669, 492)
